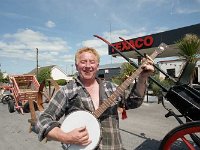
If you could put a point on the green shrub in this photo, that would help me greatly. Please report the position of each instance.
(61, 82)
(167, 83)
(116, 80)
(44, 74)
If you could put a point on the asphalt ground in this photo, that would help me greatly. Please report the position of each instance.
(144, 129)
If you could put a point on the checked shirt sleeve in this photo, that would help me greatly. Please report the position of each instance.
(49, 118)
(132, 98)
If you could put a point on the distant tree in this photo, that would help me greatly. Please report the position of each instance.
(61, 82)
(1, 76)
(3, 79)
(44, 74)
(189, 47)
(126, 70)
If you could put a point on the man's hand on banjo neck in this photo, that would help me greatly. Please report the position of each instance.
(148, 69)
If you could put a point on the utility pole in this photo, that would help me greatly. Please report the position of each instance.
(72, 68)
(37, 63)
(67, 70)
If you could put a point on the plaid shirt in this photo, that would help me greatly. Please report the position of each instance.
(73, 97)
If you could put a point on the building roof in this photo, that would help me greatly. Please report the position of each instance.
(34, 71)
(169, 37)
(174, 60)
(108, 66)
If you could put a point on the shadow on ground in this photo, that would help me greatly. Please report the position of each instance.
(152, 144)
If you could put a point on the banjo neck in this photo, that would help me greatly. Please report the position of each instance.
(121, 88)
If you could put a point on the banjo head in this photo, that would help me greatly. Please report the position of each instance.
(79, 119)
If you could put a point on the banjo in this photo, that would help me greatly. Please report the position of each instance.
(81, 118)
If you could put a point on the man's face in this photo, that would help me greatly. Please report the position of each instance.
(87, 65)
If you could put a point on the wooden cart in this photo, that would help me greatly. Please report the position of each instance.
(27, 95)
(24, 89)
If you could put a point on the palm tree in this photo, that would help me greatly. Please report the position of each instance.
(126, 70)
(189, 47)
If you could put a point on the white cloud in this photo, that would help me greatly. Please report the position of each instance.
(97, 44)
(161, 29)
(143, 3)
(23, 43)
(186, 10)
(14, 15)
(112, 37)
(68, 58)
(101, 46)
(50, 24)
(185, 7)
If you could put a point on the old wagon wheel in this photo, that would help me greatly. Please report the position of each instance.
(11, 106)
(182, 133)
(6, 98)
(46, 91)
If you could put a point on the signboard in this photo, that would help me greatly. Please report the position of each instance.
(138, 43)
(148, 43)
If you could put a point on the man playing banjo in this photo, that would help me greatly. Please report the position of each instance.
(86, 93)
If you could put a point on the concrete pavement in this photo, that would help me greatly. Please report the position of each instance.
(144, 128)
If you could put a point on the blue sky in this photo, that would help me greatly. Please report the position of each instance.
(59, 27)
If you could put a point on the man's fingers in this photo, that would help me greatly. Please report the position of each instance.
(148, 57)
(84, 140)
(148, 68)
(87, 142)
(81, 129)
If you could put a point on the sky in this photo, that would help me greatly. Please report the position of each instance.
(58, 28)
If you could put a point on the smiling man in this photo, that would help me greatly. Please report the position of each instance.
(86, 92)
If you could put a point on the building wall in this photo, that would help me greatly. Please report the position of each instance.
(108, 73)
(57, 74)
(166, 65)
(178, 66)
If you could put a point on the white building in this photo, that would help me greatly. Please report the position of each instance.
(56, 72)
(149, 43)
(174, 68)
